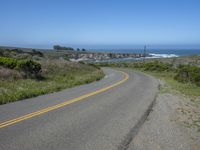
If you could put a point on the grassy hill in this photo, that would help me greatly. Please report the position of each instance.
(20, 78)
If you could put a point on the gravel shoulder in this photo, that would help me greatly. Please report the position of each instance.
(170, 126)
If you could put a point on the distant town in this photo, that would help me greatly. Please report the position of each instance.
(98, 56)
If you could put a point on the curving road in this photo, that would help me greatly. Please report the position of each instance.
(101, 115)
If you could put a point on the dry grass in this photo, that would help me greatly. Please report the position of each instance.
(6, 73)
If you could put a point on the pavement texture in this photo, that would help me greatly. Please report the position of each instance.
(105, 121)
(162, 129)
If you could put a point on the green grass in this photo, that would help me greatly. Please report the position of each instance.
(167, 71)
(55, 80)
(173, 85)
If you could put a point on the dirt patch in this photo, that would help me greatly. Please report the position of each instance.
(173, 124)
(189, 114)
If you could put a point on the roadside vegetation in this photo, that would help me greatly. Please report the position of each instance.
(24, 77)
(179, 77)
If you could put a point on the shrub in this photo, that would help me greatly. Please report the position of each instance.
(8, 62)
(157, 66)
(187, 73)
(29, 67)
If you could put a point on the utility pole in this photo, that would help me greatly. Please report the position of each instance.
(145, 51)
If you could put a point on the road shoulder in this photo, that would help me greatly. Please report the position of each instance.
(166, 127)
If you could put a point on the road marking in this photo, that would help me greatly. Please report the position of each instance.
(45, 110)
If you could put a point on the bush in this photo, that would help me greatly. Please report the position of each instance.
(157, 66)
(29, 67)
(187, 73)
(8, 62)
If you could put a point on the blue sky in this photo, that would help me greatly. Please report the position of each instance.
(100, 23)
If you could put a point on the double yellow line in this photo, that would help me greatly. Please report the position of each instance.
(45, 110)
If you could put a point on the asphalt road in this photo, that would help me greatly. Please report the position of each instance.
(96, 116)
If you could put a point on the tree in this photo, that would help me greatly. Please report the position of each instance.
(83, 49)
(58, 47)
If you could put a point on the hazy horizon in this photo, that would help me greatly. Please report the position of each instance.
(112, 47)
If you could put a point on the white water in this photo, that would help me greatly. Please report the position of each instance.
(163, 55)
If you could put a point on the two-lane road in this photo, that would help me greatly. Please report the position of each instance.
(96, 116)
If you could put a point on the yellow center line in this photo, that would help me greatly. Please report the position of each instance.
(45, 110)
